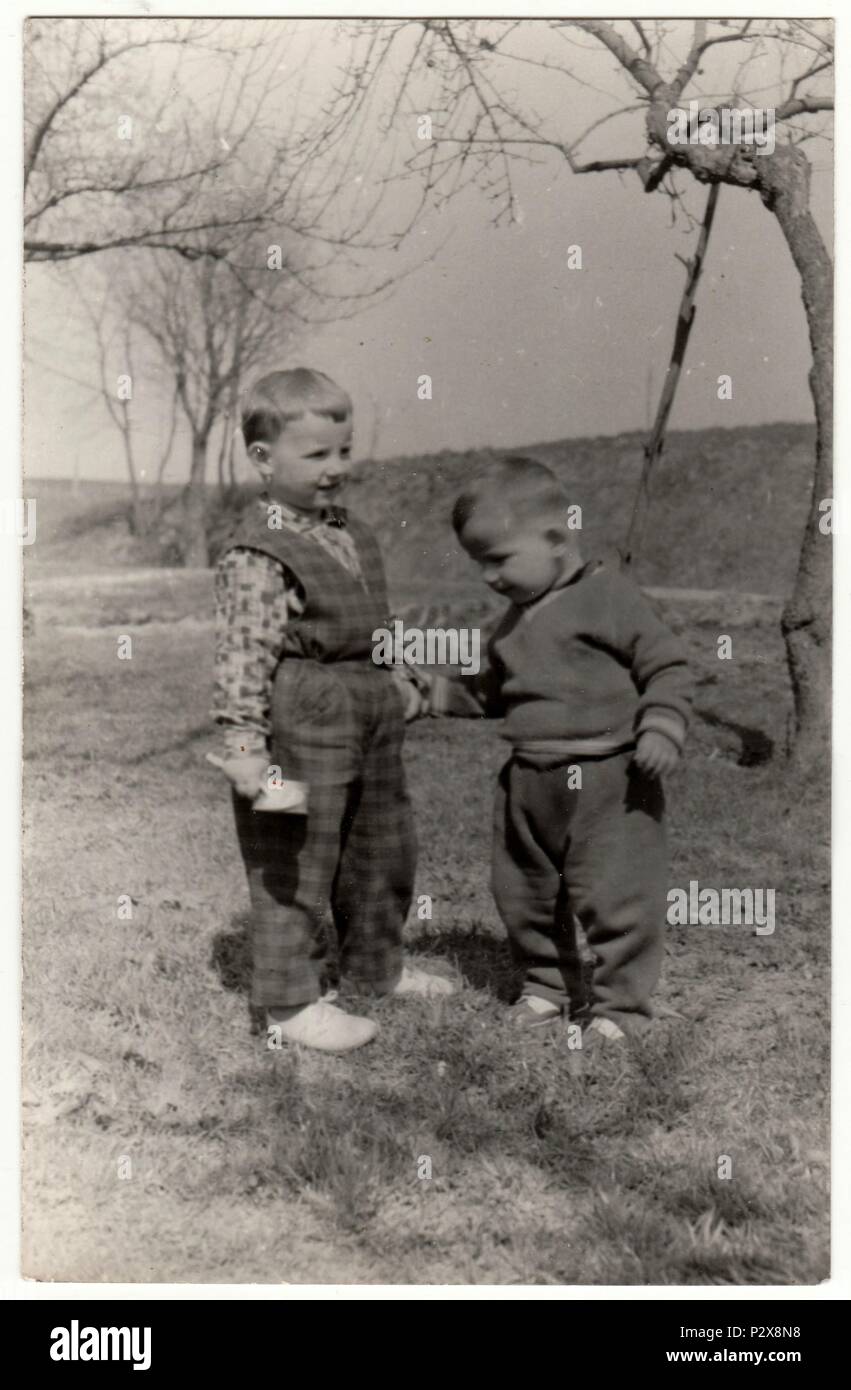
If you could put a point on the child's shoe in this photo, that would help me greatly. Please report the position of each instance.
(532, 1012)
(413, 980)
(323, 1026)
(602, 1034)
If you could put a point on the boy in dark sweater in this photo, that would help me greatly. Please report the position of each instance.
(595, 694)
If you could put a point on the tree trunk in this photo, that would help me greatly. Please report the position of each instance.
(224, 449)
(806, 620)
(194, 539)
(159, 499)
(685, 321)
(232, 466)
(136, 516)
(782, 180)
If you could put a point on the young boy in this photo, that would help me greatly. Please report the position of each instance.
(300, 589)
(595, 694)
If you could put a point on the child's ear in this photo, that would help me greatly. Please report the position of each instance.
(260, 463)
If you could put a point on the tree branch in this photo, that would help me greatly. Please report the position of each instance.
(800, 106)
(689, 67)
(639, 68)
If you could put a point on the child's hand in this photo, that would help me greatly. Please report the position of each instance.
(655, 754)
(247, 773)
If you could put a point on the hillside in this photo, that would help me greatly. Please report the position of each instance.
(727, 508)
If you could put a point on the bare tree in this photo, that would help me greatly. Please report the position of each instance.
(462, 72)
(115, 349)
(119, 152)
(209, 323)
(216, 169)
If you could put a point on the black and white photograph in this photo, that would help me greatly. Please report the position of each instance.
(426, 529)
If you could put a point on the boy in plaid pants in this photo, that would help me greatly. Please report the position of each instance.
(300, 589)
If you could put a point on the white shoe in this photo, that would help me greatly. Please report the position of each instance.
(323, 1026)
(535, 1012)
(416, 981)
(606, 1028)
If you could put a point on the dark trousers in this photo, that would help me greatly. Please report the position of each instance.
(337, 726)
(598, 852)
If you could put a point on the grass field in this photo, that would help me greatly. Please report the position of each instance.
(164, 1142)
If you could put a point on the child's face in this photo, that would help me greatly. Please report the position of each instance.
(522, 563)
(309, 462)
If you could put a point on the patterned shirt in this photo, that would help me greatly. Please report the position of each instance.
(256, 596)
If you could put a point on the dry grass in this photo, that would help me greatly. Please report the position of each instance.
(252, 1165)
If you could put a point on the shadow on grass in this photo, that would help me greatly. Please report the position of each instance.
(231, 959)
(755, 747)
(231, 955)
(482, 960)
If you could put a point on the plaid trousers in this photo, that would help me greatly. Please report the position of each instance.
(337, 726)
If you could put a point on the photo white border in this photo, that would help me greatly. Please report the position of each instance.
(12, 1286)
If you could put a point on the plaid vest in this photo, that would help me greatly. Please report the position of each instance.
(340, 614)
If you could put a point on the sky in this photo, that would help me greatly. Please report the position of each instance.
(520, 347)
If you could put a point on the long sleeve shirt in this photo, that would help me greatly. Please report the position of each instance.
(256, 597)
(583, 670)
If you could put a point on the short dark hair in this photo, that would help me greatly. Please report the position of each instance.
(277, 399)
(523, 487)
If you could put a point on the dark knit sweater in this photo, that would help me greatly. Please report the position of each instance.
(590, 661)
